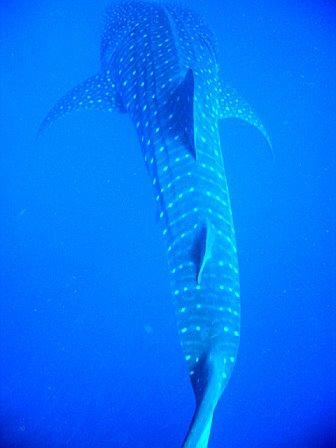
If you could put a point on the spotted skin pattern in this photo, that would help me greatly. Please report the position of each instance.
(159, 65)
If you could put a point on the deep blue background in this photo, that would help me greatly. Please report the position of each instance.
(89, 350)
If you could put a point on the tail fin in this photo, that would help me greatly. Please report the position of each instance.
(208, 381)
(199, 431)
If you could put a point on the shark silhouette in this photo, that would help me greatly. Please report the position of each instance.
(159, 65)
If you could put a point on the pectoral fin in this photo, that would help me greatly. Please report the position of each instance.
(97, 92)
(233, 106)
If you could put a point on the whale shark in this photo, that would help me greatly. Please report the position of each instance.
(159, 65)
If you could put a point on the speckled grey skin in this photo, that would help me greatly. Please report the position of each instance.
(159, 65)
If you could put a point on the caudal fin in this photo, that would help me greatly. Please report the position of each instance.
(208, 382)
(199, 431)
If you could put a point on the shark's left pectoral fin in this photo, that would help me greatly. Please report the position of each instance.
(231, 105)
(179, 113)
(97, 92)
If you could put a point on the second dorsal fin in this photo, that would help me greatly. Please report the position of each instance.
(203, 249)
(180, 113)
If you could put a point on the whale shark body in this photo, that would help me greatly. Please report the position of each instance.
(159, 65)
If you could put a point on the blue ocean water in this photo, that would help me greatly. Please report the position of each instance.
(90, 355)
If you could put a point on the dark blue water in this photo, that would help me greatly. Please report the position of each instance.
(89, 350)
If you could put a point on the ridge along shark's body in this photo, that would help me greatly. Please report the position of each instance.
(159, 65)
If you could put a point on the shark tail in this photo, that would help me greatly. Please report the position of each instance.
(208, 384)
(199, 431)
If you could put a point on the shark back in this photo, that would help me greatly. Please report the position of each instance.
(166, 74)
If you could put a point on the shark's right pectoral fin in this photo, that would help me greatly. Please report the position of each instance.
(232, 105)
(97, 92)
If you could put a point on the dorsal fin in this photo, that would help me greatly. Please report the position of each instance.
(180, 113)
(97, 92)
(203, 248)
